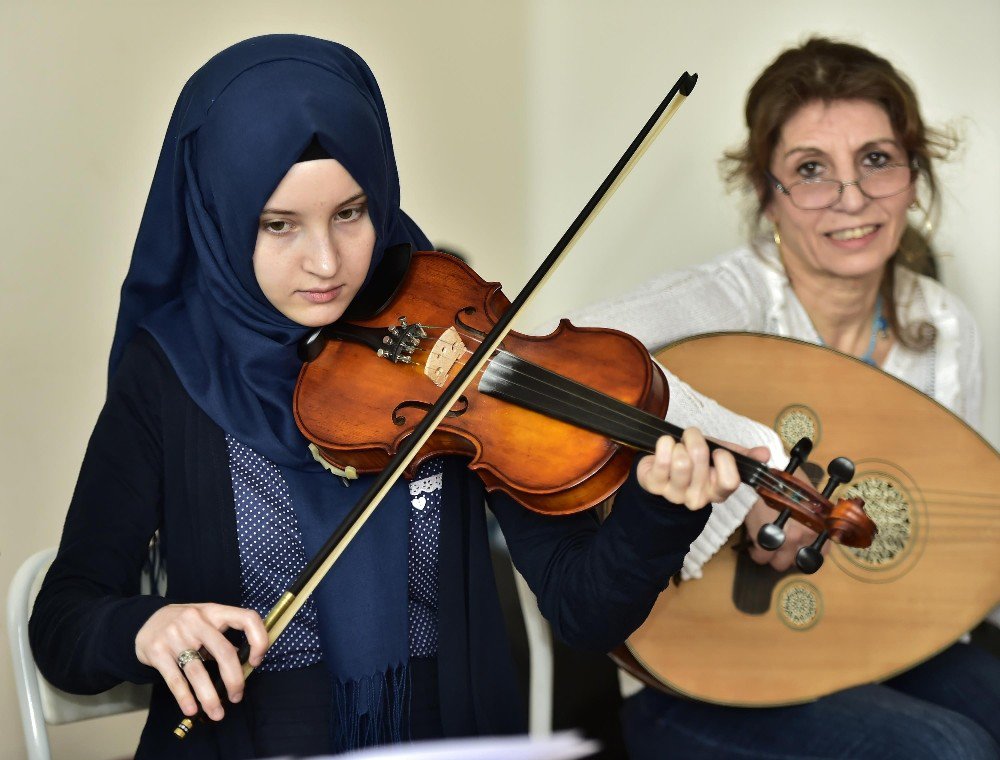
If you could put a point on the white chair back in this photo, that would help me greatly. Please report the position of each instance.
(42, 704)
(540, 660)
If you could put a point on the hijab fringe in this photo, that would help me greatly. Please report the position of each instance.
(372, 711)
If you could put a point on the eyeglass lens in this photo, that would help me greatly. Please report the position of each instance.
(879, 183)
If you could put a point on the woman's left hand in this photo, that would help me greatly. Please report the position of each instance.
(686, 472)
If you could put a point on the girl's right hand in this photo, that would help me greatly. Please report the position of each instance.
(177, 627)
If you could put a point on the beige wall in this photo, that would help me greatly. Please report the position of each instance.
(505, 115)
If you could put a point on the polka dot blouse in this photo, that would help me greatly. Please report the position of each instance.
(272, 555)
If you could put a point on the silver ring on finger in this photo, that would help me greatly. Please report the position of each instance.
(187, 656)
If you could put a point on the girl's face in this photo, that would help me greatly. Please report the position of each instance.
(314, 243)
(840, 140)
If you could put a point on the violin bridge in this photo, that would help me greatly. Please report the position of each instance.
(443, 356)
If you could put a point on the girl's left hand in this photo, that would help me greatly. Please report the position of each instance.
(685, 472)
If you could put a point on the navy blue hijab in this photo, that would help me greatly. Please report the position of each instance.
(240, 123)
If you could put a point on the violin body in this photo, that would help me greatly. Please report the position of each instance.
(358, 407)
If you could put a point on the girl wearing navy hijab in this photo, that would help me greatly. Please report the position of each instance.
(274, 199)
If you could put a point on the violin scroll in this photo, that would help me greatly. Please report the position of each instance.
(846, 522)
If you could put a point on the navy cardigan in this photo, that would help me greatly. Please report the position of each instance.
(156, 461)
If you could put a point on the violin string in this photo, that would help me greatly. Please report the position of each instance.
(764, 477)
(755, 468)
(746, 466)
(652, 426)
(637, 420)
(750, 470)
(602, 412)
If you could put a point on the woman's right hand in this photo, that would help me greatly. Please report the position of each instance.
(177, 627)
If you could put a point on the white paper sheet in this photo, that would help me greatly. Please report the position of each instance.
(566, 745)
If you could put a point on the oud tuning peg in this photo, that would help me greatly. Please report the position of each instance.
(840, 471)
(809, 559)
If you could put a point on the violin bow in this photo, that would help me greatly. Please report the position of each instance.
(281, 614)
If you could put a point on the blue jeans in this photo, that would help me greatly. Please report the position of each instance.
(947, 708)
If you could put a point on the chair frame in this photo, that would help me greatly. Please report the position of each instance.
(541, 661)
(41, 703)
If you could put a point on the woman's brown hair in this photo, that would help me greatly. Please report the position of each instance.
(827, 70)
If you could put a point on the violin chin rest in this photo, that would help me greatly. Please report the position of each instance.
(382, 285)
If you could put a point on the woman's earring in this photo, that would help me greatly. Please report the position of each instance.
(927, 228)
(776, 236)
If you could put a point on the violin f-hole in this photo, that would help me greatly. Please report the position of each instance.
(465, 325)
(460, 408)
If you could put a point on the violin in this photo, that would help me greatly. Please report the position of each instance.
(553, 421)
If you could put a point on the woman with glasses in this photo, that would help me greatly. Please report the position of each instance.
(837, 157)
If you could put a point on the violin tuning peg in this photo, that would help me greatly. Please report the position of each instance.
(799, 454)
(840, 470)
(772, 535)
(809, 559)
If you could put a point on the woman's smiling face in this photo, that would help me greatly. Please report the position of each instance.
(314, 243)
(856, 236)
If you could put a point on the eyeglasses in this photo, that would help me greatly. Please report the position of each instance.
(879, 182)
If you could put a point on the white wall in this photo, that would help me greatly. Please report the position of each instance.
(505, 116)
(597, 70)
